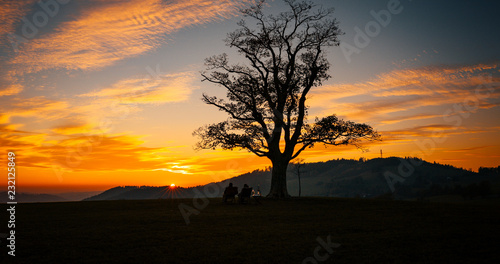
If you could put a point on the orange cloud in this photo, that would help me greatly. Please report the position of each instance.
(422, 131)
(438, 131)
(9, 84)
(109, 31)
(4, 118)
(93, 112)
(11, 12)
(162, 89)
(88, 152)
(19, 141)
(402, 90)
(103, 152)
(408, 118)
(11, 90)
(80, 147)
(467, 150)
(39, 107)
(72, 129)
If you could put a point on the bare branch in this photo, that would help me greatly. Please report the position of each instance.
(267, 97)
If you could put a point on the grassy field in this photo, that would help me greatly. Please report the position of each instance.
(154, 231)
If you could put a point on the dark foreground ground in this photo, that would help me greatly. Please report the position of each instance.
(154, 231)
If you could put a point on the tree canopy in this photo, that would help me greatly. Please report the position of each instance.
(266, 98)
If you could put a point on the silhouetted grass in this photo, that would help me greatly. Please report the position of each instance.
(153, 231)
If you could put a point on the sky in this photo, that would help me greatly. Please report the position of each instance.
(103, 93)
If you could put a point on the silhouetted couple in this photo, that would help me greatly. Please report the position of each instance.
(230, 193)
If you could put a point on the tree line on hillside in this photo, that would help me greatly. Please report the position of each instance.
(342, 178)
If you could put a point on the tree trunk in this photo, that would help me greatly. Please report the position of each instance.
(278, 180)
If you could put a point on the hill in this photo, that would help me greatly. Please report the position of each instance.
(25, 197)
(344, 178)
(77, 196)
(32, 198)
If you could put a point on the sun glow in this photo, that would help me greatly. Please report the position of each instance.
(172, 185)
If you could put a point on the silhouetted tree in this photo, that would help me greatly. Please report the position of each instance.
(266, 99)
(489, 171)
(298, 165)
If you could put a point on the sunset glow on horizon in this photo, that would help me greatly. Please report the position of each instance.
(97, 94)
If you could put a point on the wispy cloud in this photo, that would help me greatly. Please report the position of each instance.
(11, 12)
(81, 152)
(409, 118)
(105, 32)
(11, 90)
(467, 150)
(103, 152)
(403, 90)
(9, 84)
(40, 106)
(81, 138)
(163, 89)
(14, 139)
(439, 133)
(73, 128)
(425, 131)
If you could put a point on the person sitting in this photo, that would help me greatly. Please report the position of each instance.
(245, 193)
(229, 193)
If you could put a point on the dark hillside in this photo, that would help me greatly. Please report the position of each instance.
(345, 178)
(31, 198)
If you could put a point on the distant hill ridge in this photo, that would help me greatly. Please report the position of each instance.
(341, 178)
(22, 197)
(31, 198)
